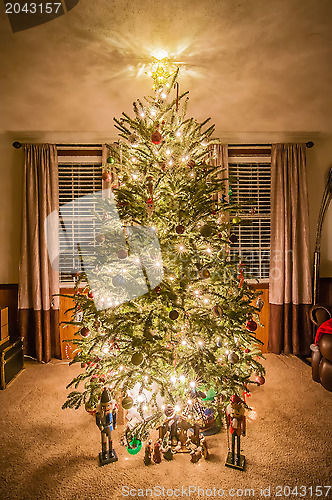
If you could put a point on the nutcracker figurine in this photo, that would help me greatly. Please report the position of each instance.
(105, 421)
(236, 422)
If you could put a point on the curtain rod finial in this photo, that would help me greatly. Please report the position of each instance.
(310, 144)
(17, 145)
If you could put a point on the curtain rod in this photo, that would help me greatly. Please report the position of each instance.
(309, 145)
(18, 145)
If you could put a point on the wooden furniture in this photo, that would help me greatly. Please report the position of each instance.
(262, 332)
(11, 353)
(67, 332)
(4, 324)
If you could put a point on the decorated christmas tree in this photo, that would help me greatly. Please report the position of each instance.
(165, 318)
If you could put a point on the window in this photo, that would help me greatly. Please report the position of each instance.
(249, 177)
(79, 175)
(250, 182)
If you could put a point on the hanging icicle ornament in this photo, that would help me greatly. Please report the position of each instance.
(240, 275)
(176, 86)
(260, 303)
(149, 202)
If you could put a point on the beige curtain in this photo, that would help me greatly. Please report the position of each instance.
(38, 279)
(290, 278)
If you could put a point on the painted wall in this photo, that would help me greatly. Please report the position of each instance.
(260, 69)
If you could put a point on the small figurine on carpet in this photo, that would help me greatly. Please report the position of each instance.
(104, 421)
(196, 455)
(236, 422)
(148, 452)
(157, 452)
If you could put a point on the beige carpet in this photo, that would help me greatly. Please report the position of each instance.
(49, 453)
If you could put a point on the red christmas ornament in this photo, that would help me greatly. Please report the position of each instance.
(260, 380)
(156, 137)
(90, 295)
(85, 332)
(180, 229)
(107, 177)
(251, 325)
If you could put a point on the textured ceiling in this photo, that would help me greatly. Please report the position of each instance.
(252, 65)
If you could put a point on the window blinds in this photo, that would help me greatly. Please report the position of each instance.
(250, 181)
(79, 175)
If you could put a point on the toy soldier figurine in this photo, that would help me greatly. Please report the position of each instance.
(104, 421)
(236, 421)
